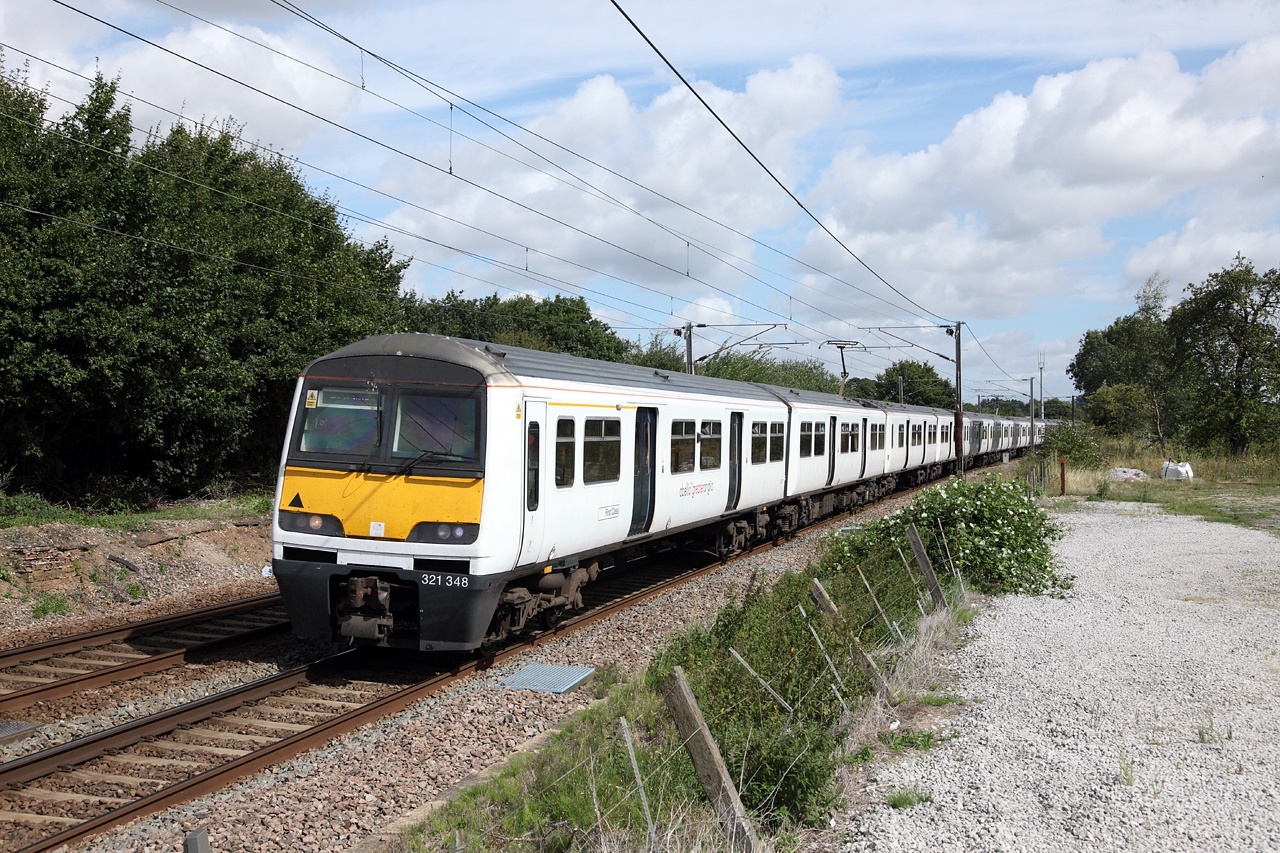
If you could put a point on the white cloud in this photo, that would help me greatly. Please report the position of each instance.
(991, 217)
(165, 79)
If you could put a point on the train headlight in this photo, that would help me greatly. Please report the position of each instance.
(444, 533)
(311, 522)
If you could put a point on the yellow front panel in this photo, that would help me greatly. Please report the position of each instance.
(362, 501)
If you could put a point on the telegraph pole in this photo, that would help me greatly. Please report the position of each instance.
(1040, 358)
(959, 425)
(1031, 407)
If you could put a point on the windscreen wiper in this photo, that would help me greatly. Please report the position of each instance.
(433, 455)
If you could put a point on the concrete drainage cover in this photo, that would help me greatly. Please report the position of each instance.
(548, 677)
(11, 730)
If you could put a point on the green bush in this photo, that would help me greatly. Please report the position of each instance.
(997, 535)
(1076, 443)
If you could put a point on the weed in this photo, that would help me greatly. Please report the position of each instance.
(51, 605)
(135, 591)
(900, 740)
(905, 798)
(1206, 733)
(863, 755)
(936, 700)
(1127, 774)
(6, 574)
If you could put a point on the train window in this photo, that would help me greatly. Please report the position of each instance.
(565, 451)
(601, 450)
(432, 426)
(342, 421)
(777, 441)
(933, 433)
(917, 435)
(759, 442)
(946, 433)
(819, 439)
(683, 446)
(806, 439)
(902, 435)
(848, 439)
(531, 466)
(709, 452)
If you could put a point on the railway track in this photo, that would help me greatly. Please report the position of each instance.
(57, 668)
(66, 793)
(69, 792)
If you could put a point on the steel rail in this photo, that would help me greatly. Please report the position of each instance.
(47, 762)
(19, 771)
(25, 698)
(63, 645)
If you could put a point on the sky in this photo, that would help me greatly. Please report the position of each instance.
(1019, 166)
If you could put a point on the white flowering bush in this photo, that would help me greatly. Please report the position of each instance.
(999, 538)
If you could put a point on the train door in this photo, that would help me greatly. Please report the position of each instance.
(831, 450)
(735, 461)
(535, 441)
(866, 449)
(643, 480)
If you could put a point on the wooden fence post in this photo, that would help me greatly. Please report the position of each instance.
(708, 764)
(644, 800)
(926, 567)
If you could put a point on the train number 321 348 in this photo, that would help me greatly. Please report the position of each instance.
(445, 580)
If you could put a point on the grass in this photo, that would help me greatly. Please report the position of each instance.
(1127, 773)
(904, 739)
(1232, 490)
(24, 509)
(905, 798)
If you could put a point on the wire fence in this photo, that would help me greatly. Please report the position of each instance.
(637, 781)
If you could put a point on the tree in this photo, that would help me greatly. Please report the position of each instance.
(920, 383)
(663, 352)
(808, 374)
(1226, 337)
(1119, 409)
(157, 305)
(1135, 351)
(560, 324)
(1055, 409)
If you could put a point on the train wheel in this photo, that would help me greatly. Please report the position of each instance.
(550, 618)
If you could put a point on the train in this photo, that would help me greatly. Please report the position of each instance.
(442, 494)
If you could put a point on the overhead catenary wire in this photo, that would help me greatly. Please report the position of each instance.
(596, 191)
(827, 361)
(550, 281)
(413, 158)
(766, 169)
(453, 99)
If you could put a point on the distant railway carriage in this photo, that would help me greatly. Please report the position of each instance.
(438, 493)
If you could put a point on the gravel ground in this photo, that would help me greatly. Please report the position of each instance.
(1142, 712)
(341, 796)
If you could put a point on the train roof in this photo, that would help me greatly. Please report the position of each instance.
(497, 362)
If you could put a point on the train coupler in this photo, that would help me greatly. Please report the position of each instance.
(366, 612)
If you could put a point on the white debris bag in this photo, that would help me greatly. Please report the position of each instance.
(1176, 471)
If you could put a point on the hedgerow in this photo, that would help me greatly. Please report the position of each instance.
(997, 535)
(783, 759)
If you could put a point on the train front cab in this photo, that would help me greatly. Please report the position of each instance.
(384, 523)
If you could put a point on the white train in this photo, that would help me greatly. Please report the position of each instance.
(439, 494)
